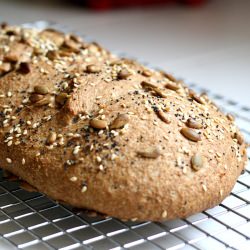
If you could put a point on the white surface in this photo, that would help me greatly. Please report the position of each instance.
(208, 45)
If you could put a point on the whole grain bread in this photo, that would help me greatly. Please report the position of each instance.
(108, 134)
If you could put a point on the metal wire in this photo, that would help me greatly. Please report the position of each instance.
(33, 221)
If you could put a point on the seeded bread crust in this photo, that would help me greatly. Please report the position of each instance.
(107, 134)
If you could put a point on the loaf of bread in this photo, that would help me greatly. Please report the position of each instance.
(108, 134)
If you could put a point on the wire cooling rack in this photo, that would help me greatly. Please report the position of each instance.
(33, 221)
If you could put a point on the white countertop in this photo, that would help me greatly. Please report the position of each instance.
(209, 46)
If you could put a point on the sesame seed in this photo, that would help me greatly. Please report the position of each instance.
(23, 161)
(76, 150)
(204, 187)
(8, 160)
(101, 111)
(99, 159)
(9, 94)
(9, 143)
(84, 189)
(101, 167)
(164, 214)
(73, 178)
(113, 157)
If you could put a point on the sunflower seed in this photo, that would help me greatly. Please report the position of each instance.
(172, 85)
(98, 124)
(170, 77)
(239, 138)
(190, 134)
(35, 98)
(160, 92)
(43, 102)
(124, 74)
(197, 162)
(152, 153)
(163, 116)
(148, 85)
(146, 73)
(93, 68)
(120, 121)
(42, 90)
(230, 117)
(197, 98)
(52, 55)
(191, 123)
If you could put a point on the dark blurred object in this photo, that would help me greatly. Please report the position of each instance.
(109, 4)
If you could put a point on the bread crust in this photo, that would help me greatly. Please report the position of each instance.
(142, 169)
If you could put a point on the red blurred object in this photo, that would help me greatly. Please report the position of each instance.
(108, 4)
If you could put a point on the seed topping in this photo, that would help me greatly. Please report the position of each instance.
(62, 98)
(51, 138)
(172, 85)
(191, 123)
(120, 121)
(36, 98)
(190, 134)
(98, 124)
(147, 73)
(239, 138)
(124, 74)
(152, 153)
(197, 162)
(230, 117)
(162, 115)
(93, 68)
(41, 90)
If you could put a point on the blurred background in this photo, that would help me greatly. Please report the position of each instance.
(202, 41)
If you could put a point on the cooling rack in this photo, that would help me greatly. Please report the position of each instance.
(33, 221)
